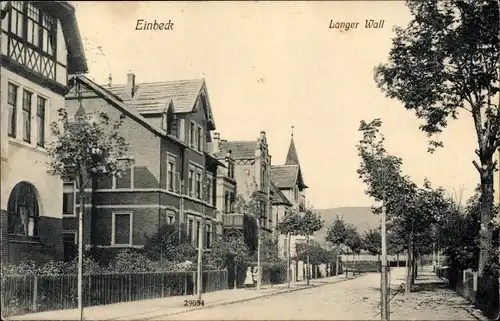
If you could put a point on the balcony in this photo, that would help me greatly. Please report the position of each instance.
(233, 220)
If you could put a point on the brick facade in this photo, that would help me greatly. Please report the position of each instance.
(147, 197)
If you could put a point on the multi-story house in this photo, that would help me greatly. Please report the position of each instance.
(233, 223)
(173, 179)
(289, 180)
(252, 163)
(40, 44)
(280, 206)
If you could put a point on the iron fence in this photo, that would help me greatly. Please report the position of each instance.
(23, 294)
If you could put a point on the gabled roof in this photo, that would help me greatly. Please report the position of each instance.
(287, 176)
(152, 97)
(278, 197)
(119, 104)
(239, 149)
(65, 12)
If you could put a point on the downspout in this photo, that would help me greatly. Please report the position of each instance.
(159, 194)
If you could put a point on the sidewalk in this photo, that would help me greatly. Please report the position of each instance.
(430, 299)
(147, 309)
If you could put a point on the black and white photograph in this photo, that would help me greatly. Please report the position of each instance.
(250, 160)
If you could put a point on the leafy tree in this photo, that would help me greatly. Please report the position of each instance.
(164, 244)
(86, 148)
(317, 253)
(336, 233)
(444, 62)
(309, 224)
(257, 207)
(229, 253)
(372, 241)
(353, 241)
(290, 225)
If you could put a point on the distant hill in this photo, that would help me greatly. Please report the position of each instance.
(361, 217)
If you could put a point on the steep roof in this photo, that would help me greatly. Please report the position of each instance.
(152, 97)
(287, 176)
(284, 176)
(292, 158)
(239, 149)
(278, 197)
(115, 101)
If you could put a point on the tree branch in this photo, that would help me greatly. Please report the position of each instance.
(477, 167)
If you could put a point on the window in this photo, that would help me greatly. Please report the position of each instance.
(171, 174)
(230, 170)
(27, 116)
(190, 231)
(32, 25)
(122, 229)
(198, 185)
(209, 236)
(33, 34)
(69, 199)
(169, 217)
(191, 182)
(296, 193)
(192, 134)
(40, 123)
(17, 18)
(70, 241)
(181, 130)
(200, 139)
(23, 211)
(12, 113)
(210, 190)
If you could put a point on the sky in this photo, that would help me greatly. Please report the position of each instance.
(272, 65)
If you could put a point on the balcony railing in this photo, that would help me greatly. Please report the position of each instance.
(234, 220)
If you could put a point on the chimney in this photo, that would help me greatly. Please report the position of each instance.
(215, 143)
(131, 83)
(229, 153)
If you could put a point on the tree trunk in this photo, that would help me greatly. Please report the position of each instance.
(288, 261)
(397, 257)
(414, 268)
(486, 212)
(235, 276)
(408, 270)
(346, 265)
(308, 262)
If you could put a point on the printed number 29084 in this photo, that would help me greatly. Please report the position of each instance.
(194, 303)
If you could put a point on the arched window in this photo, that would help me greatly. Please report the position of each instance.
(23, 210)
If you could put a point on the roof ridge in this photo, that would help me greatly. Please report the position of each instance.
(159, 82)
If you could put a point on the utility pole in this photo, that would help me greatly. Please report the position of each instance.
(201, 244)
(385, 314)
(80, 241)
(259, 241)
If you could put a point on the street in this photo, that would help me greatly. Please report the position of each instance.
(356, 299)
(350, 300)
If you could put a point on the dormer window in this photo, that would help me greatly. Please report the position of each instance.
(32, 38)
